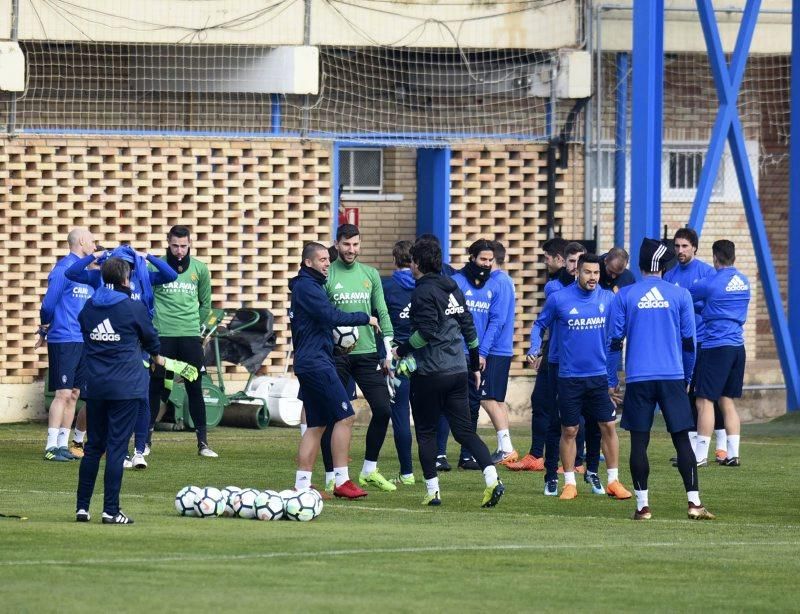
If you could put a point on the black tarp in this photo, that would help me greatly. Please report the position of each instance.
(248, 347)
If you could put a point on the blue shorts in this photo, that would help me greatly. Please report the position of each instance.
(494, 379)
(670, 395)
(587, 396)
(324, 398)
(64, 362)
(720, 372)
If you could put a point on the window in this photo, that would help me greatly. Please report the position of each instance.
(681, 167)
(361, 170)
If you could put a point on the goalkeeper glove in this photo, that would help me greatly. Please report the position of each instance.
(184, 369)
(406, 366)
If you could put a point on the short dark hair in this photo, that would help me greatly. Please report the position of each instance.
(499, 252)
(347, 231)
(724, 251)
(688, 234)
(481, 245)
(178, 232)
(554, 247)
(309, 249)
(574, 248)
(427, 236)
(333, 253)
(618, 253)
(401, 252)
(427, 255)
(115, 271)
(588, 258)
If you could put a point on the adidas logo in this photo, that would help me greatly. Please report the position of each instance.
(736, 284)
(573, 311)
(104, 332)
(338, 286)
(406, 313)
(468, 293)
(653, 300)
(453, 307)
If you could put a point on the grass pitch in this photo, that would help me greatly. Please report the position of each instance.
(387, 553)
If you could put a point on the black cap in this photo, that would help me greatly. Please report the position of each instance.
(654, 255)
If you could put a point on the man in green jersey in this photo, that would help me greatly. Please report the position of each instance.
(181, 307)
(351, 287)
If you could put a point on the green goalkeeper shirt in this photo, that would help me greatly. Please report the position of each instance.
(184, 304)
(357, 287)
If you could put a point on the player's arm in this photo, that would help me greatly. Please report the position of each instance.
(148, 335)
(163, 273)
(204, 293)
(318, 307)
(55, 288)
(615, 336)
(700, 292)
(77, 272)
(688, 336)
(378, 302)
(469, 332)
(546, 318)
(424, 321)
(498, 310)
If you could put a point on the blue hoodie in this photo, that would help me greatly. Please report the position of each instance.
(503, 342)
(724, 298)
(484, 305)
(142, 279)
(313, 319)
(686, 276)
(115, 331)
(554, 285)
(397, 291)
(62, 303)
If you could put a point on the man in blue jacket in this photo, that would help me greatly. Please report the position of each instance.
(397, 291)
(720, 374)
(326, 402)
(141, 286)
(115, 330)
(62, 303)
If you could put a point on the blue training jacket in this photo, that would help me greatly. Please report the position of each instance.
(62, 303)
(686, 276)
(397, 291)
(554, 285)
(580, 317)
(313, 319)
(116, 329)
(142, 279)
(503, 343)
(657, 319)
(484, 304)
(723, 300)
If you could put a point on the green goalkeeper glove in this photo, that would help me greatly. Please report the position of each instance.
(406, 366)
(184, 369)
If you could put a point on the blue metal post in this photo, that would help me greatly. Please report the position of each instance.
(335, 189)
(794, 182)
(620, 145)
(646, 130)
(433, 195)
(275, 115)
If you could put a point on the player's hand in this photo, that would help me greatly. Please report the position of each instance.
(476, 378)
(534, 360)
(141, 254)
(184, 369)
(394, 353)
(40, 341)
(615, 396)
(386, 366)
(482, 362)
(373, 322)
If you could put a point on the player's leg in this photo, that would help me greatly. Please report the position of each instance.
(157, 392)
(553, 433)
(190, 349)
(720, 434)
(121, 419)
(97, 430)
(426, 406)
(466, 459)
(716, 365)
(534, 459)
(601, 411)
(63, 361)
(442, 435)
(495, 386)
(570, 404)
(79, 434)
(401, 429)
(637, 419)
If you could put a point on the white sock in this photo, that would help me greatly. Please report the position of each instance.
(722, 439)
(369, 467)
(302, 480)
(693, 440)
(52, 438)
(642, 500)
(701, 450)
(693, 496)
(490, 475)
(569, 478)
(331, 476)
(406, 475)
(432, 486)
(613, 474)
(733, 446)
(303, 428)
(78, 436)
(341, 475)
(504, 440)
(63, 438)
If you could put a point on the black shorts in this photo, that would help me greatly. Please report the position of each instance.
(720, 372)
(670, 395)
(324, 398)
(587, 396)
(63, 360)
(494, 379)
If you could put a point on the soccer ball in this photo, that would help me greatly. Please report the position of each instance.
(209, 503)
(244, 503)
(184, 500)
(303, 506)
(228, 495)
(344, 338)
(268, 505)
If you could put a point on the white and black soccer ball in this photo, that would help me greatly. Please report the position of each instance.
(268, 506)
(344, 338)
(209, 503)
(228, 495)
(244, 503)
(184, 500)
(303, 506)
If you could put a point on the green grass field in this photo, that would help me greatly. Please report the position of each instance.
(387, 553)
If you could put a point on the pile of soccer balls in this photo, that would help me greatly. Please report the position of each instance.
(234, 502)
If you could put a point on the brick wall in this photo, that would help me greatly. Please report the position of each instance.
(250, 205)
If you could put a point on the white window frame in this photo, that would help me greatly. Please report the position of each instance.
(360, 189)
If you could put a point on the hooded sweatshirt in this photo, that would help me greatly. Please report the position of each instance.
(397, 291)
(62, 303)
(115, 330)
(483, 296)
